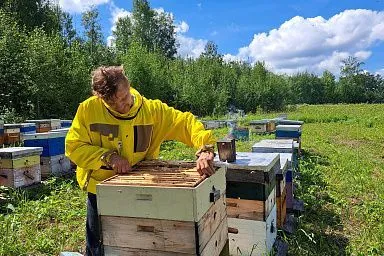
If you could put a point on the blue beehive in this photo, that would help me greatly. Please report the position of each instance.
(288, 131)
(66, 123)
(52, 143)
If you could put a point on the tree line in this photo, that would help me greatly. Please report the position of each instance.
(45, 67)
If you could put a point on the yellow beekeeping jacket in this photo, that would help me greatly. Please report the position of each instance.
(137, 135)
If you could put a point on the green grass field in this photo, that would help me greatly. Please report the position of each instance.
(341, 183)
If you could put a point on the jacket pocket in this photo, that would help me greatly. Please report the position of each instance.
(142, 135)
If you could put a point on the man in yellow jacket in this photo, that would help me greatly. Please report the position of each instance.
(116, 128)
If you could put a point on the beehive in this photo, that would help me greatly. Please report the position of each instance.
(58, 165)
(251, 205)
(23, 128)
(66, 123)
(20, 166)
(45, 125)
(163, 208)
(271, 125)
(11, 134)
(288, 131)
(258, 126)
(53, 143)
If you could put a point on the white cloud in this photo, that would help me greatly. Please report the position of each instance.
(380, 72)
(116, 13)
(315, 44)
(190, 47)
(76, 6)
(182, 27)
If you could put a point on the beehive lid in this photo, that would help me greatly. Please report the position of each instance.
(17, 152)
(253, 122)
(61, 130)
(290, 122)
(273, 146)
(13, 126)
(44, 135)
(251, 161)
(283, 127)
(160, 174)
(49, 121)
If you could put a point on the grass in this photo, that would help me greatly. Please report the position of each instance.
(341, 183)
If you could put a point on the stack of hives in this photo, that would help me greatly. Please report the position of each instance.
(53, 160)
(251, 195)
(45, 125)
(163, 208)
(20, 166)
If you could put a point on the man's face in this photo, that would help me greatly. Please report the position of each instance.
(123, 99)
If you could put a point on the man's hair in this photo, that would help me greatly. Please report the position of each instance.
(105, 81)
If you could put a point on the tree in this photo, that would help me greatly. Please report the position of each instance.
(152, 29)
(329, 83)
(351, 81)
(34, 14)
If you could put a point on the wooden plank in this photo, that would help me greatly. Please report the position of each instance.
(253, 237)
(122, 251)
(251, 209)
(211, 220)
(281, 205)
(149, 234)
(20, 177)
(217, 241)
(245, 209)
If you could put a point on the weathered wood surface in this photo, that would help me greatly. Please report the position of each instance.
(281, 206)
(20, 177)
(245, 209)
(159, 202)
(215, 247)
(254, 237)
(251, 209)
(58, 165)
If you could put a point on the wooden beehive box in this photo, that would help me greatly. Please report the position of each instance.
(11, 134)
(58, 165)
(271, 125)
(163, 208)
(45, 125)
(251, 201)
(20, 166)
(258, 126)
(288, 131)
(53, 143)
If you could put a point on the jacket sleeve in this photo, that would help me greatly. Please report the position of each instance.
(182, 126)
(78, 145)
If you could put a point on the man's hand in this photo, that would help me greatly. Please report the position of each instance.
(204, 163)
(120, 164)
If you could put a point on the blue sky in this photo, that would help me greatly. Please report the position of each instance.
(290, 36)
